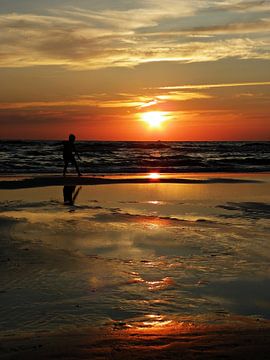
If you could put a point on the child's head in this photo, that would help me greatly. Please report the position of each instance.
(72, 138)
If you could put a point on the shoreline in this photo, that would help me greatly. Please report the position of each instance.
(31, 181)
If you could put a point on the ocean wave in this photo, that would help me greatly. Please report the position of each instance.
(19, 156)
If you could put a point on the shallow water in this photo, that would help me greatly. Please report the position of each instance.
(134, 254)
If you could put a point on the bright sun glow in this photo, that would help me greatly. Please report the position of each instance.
(154, 176)
(153, 118)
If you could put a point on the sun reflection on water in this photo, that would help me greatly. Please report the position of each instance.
(154, 176)
(154, 202)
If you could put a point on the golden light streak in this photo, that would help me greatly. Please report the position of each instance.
(209, 86)
(182, 96)
(150, 103)
(69, 103)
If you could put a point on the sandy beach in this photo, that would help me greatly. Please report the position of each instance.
(119, 267)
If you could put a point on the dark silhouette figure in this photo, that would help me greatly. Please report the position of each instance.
(69, 154)
(70, 194)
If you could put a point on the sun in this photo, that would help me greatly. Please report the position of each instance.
(153, 118)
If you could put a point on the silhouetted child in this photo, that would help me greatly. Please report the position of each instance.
(69, 154)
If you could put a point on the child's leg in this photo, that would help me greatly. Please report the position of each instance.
(65, 167)
(77, 168)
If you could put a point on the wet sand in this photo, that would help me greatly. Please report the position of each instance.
(135, 268)
(189, 341)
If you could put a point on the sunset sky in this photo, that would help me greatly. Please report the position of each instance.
(96, 67)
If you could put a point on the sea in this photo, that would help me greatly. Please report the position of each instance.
(117, 157)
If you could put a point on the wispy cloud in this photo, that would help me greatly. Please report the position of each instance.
(260, 25)
(182, 96)
(71, 103)
(209, 86)
(244, 5)
(120, 101)
(83, 38)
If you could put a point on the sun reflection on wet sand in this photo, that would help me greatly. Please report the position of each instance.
(153, 222)
(155, 321)
(150, 337)
(157, 337)
(153, 285)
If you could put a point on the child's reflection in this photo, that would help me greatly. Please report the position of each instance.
(70, 194)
